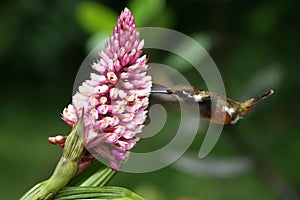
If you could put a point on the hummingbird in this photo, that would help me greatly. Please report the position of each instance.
(214, 107)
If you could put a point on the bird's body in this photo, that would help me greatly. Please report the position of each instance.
(214, 107)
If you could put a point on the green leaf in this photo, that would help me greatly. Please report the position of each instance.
(100, 178)
(95, 17)
(107, 192)
(96, 174)
(89, 171)
(32, 191)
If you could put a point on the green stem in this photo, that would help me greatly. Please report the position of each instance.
(65, 169)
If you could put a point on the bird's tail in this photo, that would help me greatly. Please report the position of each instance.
(247, 105)
(262, 97)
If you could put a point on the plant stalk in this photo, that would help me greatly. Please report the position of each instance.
(65, 169)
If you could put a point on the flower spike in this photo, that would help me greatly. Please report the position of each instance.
(115, 97)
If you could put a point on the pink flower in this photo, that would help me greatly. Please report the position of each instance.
(115, 97)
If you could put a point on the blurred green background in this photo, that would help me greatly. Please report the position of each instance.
(254, 43)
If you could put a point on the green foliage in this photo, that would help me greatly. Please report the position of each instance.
(95, 17)
(263, 19)
(90, 184)
(108, 192)
(147, 11)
